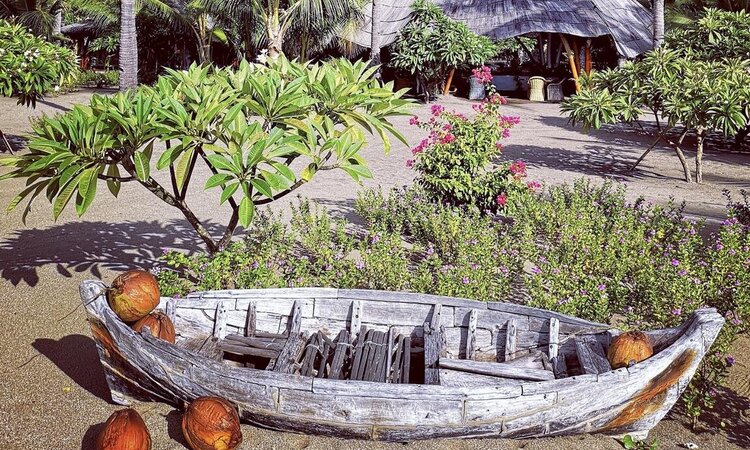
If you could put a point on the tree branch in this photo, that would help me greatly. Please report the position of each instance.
(280, 194)
(113, 178)
(232, 202)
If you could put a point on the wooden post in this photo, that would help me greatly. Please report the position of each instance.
(588, 57)
(449, 81)
(576, 53)
(549, 50)
(571, 60)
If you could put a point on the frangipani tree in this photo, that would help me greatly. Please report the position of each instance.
(248, 126)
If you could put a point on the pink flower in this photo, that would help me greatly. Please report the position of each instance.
(437, 109)
(534, 185)
(482, 74)
(478, 107)
(414, 121)
(447, 127)
(506, 133)
(499, 145)
(502, 199)
(518, 169)
(448, 138)
(410, 163)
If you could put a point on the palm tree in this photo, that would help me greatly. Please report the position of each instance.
(40, 16)
(308, 24)
(128, 46)
(658, 13)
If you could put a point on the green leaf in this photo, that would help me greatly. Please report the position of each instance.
(262, 187)
(217, 180)
(64, 196)
(113, 185)
(246, 211)
(228, 192)
(309, 171)
(142, 168)
(183, 167)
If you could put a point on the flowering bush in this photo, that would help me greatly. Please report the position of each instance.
(30, 66)
(483, 75)
(454, 162)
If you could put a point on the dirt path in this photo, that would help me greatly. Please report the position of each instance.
(53, 394)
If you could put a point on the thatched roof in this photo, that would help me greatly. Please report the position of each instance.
(626, 21)
(86, 28)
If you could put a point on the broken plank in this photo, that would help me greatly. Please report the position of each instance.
(497, 369)
(554, 337)
(386, 374)
(406, 366)
(170, 309)
(356, 321)
(434, 346)
(511, 332)
(558, 366)
(250, 320)
(287, 360)
(471, 335)
(326, 346)
(398, 359)
(220, 321)
(339, 355)
(295, 319)
(251, 351)
(591, 355)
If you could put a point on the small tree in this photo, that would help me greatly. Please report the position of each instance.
(683, 81)
(432, 44)
(248, 126)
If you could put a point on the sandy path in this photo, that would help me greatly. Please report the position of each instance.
(53, 394)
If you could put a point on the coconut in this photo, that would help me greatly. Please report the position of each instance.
(124, 430)
(133, 295)
(159, 324)
(211, 423)
(629, 348)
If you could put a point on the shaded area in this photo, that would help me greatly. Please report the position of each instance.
(17, 143)
(76, 356)
(174, 427)
(91, 246)
(731, 410)
(89, 439)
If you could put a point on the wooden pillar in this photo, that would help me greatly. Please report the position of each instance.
(571, 60)
(577, 53)
(549, 50)
(588, 57)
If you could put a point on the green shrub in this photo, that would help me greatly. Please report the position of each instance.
(99, 79)
(30, 67)
(454, 164)
(580, 249)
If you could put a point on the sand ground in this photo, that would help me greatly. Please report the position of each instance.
(52, 391)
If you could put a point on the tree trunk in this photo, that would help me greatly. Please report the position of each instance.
(128, 46)
(681, 156)
(658, 24)
(377, 12)
(58, 22)
(699, 157)
(275, 36)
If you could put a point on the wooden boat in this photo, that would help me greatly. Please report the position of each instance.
(396, 366)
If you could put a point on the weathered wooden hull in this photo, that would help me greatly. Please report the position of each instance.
(623, 401)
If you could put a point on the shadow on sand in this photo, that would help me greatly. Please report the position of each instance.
(76, 356)
(730, 410)
(91, 246)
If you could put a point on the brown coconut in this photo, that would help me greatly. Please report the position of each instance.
(124, 430)
(211, 423)
(159, 324)
(133, 295)
(629, 348)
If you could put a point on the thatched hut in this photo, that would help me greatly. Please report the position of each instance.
(626, 21)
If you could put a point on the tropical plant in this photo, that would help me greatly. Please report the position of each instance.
(454, 164)
(247, 125)
(30, 66)
(693, 89)
(432, 44)
(311, 25)
(38, 16)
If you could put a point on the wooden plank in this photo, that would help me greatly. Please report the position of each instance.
(356, 322)
(406, 365)
(323, 355)
(251, 319)
(251, 351)
(358, 350)
(220, 321)
(408, 297)
(398, 359)
(386, 375)
(461, 379)
(340, 355)
(497, 369)
(295, 319)
(591, 355)
(287, 360)
(311, 352)
(375, 312)
(374, 356)
(471, 335)
(256, 342)
(559, 368)
(434, 346)
(511, 331)
(554, 337)
(170, 309)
